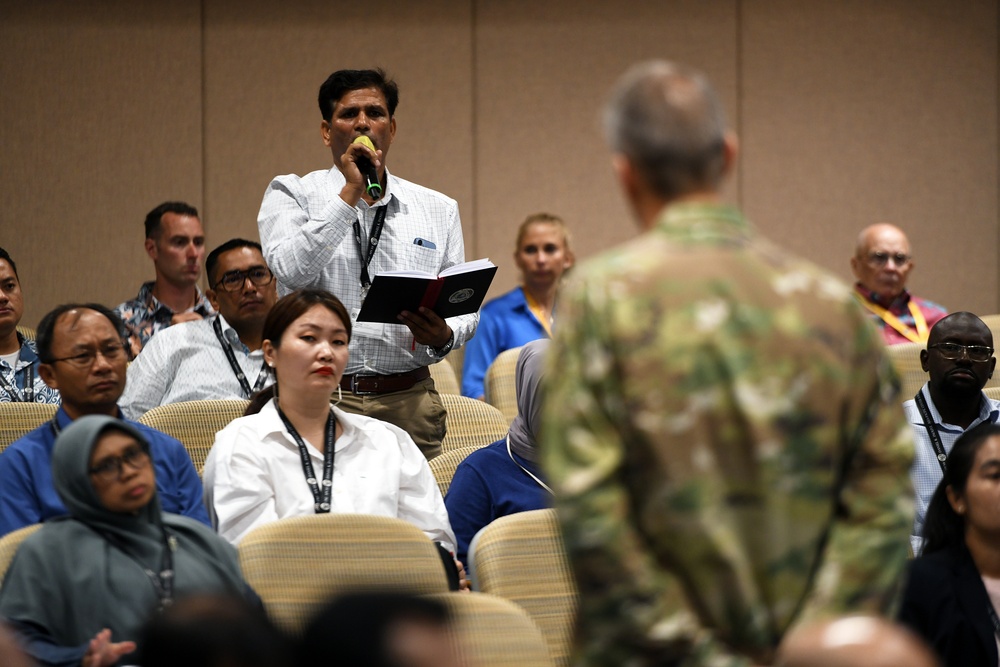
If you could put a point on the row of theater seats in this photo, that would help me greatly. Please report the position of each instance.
(521, 614)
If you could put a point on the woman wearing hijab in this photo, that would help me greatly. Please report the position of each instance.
(503, 478)
(98, 574)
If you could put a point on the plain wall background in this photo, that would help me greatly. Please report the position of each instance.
(849, 112)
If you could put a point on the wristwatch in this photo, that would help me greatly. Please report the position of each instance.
(444, 349)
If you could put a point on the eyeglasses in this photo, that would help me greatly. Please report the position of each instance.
(953, 351)
(233, 281)
(110, 468)
(87, 359)
(880, 259)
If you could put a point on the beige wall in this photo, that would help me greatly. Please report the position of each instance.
(849, 112)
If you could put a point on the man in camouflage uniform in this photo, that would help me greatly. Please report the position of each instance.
(723, 434)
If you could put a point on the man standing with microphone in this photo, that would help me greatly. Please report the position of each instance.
(336, 229)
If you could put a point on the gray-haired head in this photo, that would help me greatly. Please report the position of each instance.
(667, 121)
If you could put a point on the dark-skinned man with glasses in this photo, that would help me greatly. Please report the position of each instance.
(218, 357)
(82, 355)
(881, 263)
(959, 360)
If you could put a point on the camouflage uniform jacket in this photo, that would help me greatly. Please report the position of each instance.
(144, 316)
(726, 445)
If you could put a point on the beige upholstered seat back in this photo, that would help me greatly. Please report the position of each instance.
(16, 419)
(445, 380)
(500, 389)
(489, 631)
(298, 564)
(521, 557)
(905, 359)
(9, 544)
(444, 466)
(195, 423)
(471, 423)
(27, 332)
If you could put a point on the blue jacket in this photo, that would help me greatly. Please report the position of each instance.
(504, 323)
(28, 496)
(488, 485)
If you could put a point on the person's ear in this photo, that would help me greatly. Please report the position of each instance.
(925, 357)
(150, 246)
(957, 503)
(730, 151)
(324, 130)
(213, 298)
(268, 349)
(45, 372)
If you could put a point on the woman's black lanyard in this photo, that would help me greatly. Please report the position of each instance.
(321, 498)
(231, 356)
(29, 387)
(994, 620)
(162, 581)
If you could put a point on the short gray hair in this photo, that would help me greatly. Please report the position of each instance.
(667, 120)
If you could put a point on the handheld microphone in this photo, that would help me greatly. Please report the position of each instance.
(372, 185)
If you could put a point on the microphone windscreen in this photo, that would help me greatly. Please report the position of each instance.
(366, 141)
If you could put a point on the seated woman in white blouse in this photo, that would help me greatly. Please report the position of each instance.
(260, 467)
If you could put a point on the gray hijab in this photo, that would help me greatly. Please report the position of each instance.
(528, 375)
(85, 572)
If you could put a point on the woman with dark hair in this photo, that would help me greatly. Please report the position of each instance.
(300, 455)
(96, 576)
(953, 590)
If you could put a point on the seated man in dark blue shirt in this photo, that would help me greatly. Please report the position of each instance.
(80, 347)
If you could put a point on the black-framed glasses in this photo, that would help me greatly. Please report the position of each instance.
(87, 359)
(953, 351)
(233, 281)
(880, 259)
(110, 469)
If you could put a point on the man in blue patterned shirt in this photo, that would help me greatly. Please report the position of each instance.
(19, 379)
(175, 242)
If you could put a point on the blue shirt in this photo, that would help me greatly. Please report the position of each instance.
(487, 485)
(24, 375)
(28, 495)
(504, 323)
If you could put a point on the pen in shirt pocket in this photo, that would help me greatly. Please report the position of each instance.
(424, 243)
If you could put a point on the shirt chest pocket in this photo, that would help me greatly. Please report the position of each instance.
(425, 256)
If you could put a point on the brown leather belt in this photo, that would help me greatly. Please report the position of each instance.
(365, 384)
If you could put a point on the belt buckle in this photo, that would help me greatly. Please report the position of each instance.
(359, 376)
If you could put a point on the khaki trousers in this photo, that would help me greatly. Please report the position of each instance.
(417, 410)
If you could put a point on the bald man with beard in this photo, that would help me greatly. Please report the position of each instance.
(881, 263)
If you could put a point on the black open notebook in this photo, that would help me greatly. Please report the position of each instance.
(458, 290)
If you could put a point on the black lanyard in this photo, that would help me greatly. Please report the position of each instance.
(162, 581)
(932, 433)
(994, 620)
(231, 356)
(29, 386)
(372, 244)
(321, 498)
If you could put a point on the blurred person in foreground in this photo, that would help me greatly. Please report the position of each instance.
(723, 433)
(379, 629)
(854, 641)
(213, 631)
